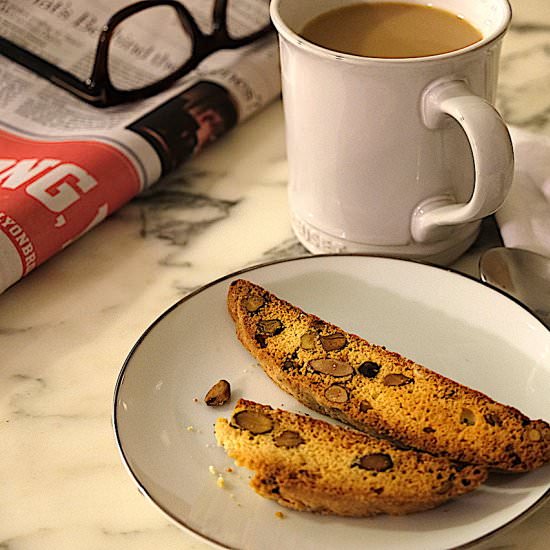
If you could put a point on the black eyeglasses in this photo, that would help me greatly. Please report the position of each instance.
(112, 81)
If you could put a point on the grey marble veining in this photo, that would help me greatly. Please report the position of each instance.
(524, 82)
(174, 214)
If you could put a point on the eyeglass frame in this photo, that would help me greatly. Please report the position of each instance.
(99, 91)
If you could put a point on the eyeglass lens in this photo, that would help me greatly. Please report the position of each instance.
(146, 47)
(241, 20)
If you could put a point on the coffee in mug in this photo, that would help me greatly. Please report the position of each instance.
(390, 29)
(401, 155)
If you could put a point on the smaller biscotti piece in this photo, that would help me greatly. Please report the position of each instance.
(374, 389)
(311, 465)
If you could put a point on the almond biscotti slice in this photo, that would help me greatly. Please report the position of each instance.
(376, 390)
(311, 465)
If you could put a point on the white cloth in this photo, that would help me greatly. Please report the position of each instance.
(524, 218)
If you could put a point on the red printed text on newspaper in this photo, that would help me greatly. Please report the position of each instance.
(51, 192)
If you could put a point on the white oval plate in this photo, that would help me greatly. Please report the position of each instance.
(439, 318)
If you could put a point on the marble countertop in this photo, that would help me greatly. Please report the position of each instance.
(66, 329)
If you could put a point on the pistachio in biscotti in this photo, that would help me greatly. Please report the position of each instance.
(369, 369)
(333, 367)
(307, 341)
(253, 421)
(467, 417)
(364, 406)
(253, 303)
(270, 327)
(396, 379)
(218, 394)
(288, 438)
(289, 364)
(336, 394)
(377, 462)
(492, 419)
(333, 342)
(261, 340)
(534, 435)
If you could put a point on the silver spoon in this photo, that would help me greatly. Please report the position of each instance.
(521, 273)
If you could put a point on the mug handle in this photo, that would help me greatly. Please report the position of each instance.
(492, 154)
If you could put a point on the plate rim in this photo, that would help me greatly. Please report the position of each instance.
(120, 378)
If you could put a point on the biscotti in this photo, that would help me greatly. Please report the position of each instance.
(377, 390)
(311, 465)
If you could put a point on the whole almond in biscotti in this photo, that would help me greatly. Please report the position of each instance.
(311, 465)
(377, 390)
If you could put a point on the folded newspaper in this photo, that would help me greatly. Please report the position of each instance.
(66, 165)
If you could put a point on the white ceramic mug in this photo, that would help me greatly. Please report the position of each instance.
(400, 157)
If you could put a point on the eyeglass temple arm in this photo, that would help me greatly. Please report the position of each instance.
(47, 70)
